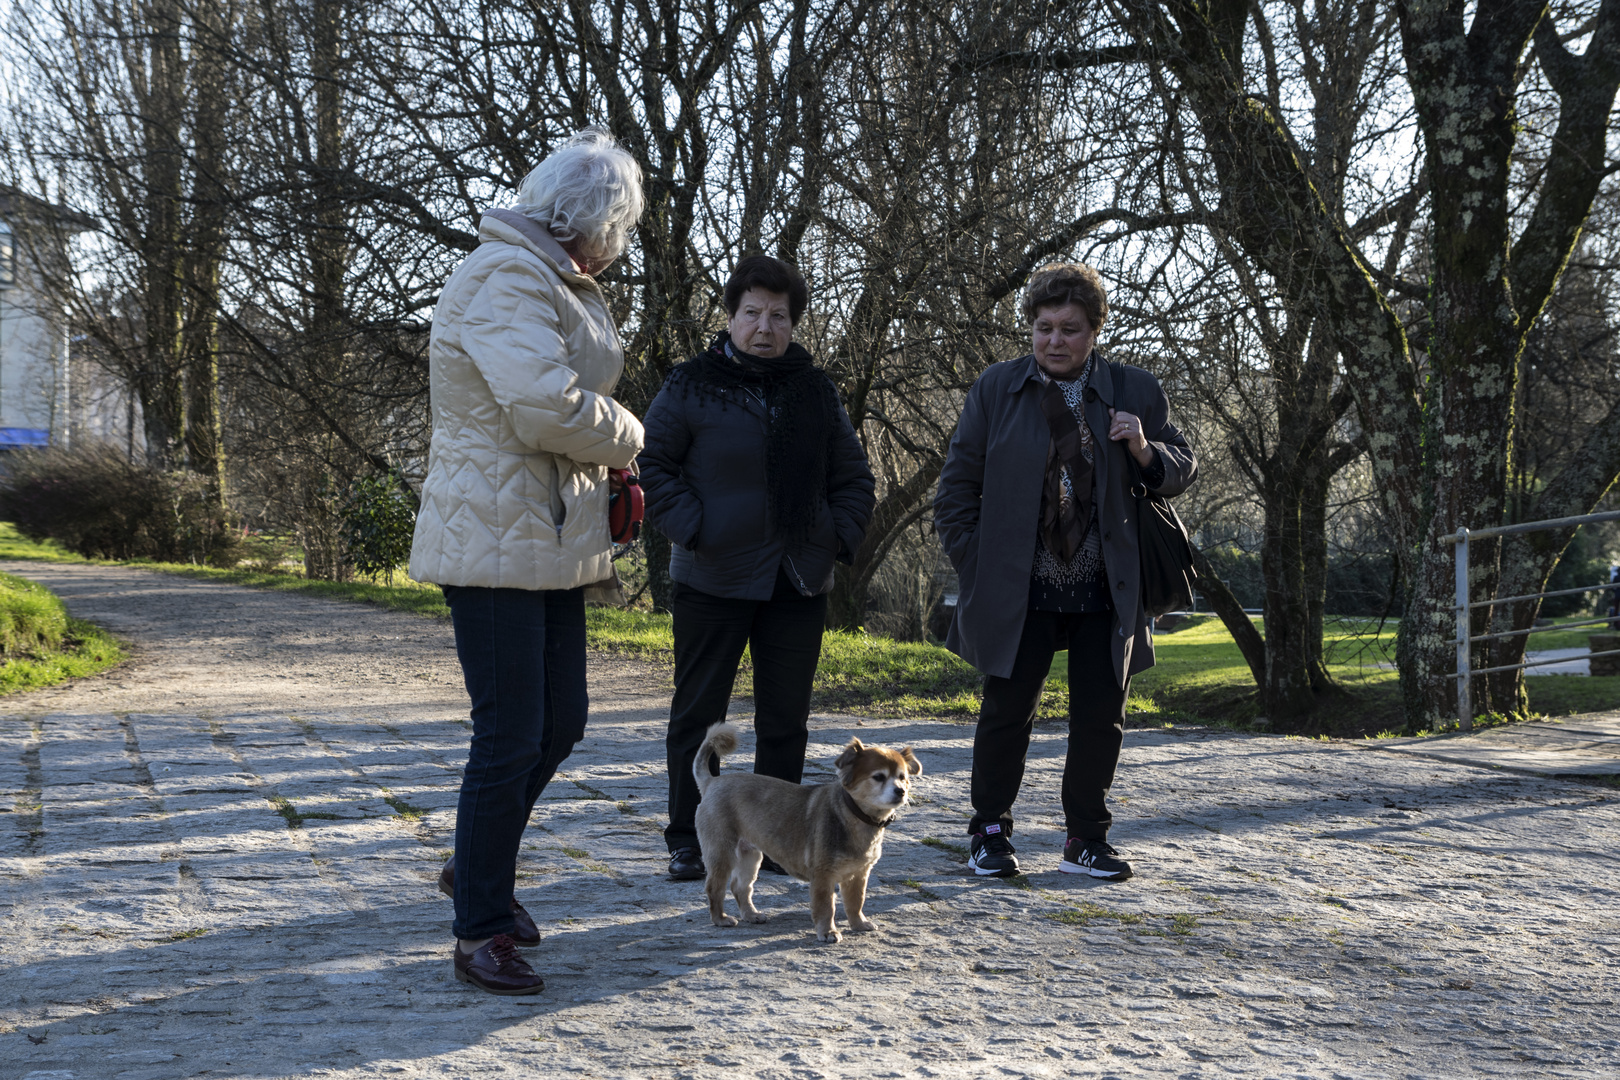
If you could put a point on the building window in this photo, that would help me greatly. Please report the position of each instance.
(7, 262)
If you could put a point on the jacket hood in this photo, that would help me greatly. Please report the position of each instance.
(511, 227)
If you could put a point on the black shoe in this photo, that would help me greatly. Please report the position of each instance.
(1093, 857)
(771, 866)
(686, 864)
(990, 853)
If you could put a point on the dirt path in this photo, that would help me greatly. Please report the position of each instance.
(1301, 908)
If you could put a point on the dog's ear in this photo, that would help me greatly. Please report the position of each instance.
(850, 752)
(913, 766)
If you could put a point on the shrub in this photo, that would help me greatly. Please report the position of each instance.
(1583, 564)
(95, 502)
(378, 525)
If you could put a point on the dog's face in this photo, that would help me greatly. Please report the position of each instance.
(876, 775)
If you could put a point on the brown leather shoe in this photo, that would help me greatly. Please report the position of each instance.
(526, 935)
(499, 968)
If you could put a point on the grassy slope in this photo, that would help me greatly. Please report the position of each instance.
(40, 645)
(1200, 675)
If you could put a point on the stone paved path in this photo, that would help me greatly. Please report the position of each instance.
(1301, 909)
(1587, 745)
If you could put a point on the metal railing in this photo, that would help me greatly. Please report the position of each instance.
(1464, 642)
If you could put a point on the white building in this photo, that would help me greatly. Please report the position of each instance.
(34, 370)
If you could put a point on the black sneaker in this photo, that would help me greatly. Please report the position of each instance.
(686, 864)
(1093, 857)
(990, 854)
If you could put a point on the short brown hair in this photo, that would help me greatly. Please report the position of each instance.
(772, 275)
(1057, 284)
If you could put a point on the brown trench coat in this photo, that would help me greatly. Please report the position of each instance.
(987, 506)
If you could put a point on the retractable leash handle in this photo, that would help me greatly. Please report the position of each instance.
(627, 506)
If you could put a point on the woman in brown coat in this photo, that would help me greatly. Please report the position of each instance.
(1035, 511)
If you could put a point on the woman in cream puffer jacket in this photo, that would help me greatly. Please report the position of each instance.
(523, 358)
(514, 519)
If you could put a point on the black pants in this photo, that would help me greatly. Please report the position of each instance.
(783, 636)
(1096, 723)
(522, 655)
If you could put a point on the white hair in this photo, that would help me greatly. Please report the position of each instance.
(587, 192)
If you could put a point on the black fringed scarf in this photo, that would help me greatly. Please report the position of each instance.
(801, 406)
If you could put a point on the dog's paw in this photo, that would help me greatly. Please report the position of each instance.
(831, 937)
(725, 920)
(759, 917)
(863, 925)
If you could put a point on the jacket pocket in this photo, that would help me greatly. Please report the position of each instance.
(554, 494)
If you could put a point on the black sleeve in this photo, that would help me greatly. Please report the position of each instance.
(1174, 462)
(672, 506)
(958, 497)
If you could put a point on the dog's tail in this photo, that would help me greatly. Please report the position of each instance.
(718, 741)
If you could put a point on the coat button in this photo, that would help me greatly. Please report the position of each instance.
(1119, 584)
(1108, 536)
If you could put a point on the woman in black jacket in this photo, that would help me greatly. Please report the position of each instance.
(754, 472)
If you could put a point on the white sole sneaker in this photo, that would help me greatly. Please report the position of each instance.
(983, 871)
(1068, 867)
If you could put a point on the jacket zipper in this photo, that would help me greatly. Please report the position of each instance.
(803, 588)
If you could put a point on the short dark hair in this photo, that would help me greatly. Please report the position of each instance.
(1057, 284)
(772, 275)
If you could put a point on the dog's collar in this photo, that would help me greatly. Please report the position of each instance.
(855, 808)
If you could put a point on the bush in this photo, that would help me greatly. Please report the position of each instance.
(95, 502)
(1583, 564)
(1357, 584)
(378, 525)
(1240, 570)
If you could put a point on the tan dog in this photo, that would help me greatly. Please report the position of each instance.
(827, 834)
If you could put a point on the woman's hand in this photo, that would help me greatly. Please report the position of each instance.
(1127, 428)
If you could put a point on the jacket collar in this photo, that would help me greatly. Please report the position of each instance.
(530, 234)
(1102, 376)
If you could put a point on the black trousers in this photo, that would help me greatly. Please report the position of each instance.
(783, 636)
(1096, 723)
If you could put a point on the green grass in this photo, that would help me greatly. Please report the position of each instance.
(13, 545)
(41, 645)
(1567, 639)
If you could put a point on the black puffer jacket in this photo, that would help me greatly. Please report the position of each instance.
(703, 472)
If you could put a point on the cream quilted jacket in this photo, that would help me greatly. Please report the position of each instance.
(523, 358)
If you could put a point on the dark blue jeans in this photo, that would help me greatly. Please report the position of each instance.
(522, 654)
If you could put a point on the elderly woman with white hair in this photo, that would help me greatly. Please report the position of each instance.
(514, 521)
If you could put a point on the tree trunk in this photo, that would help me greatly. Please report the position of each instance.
(162, 389)
(328, 253)
(1464, 87)
(1286, 690)
(205, 452)
(656, 546)
(1314, 550)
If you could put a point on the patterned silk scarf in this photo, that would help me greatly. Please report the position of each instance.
(1064, 521)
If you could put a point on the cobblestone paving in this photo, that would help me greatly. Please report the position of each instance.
(218, 861)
